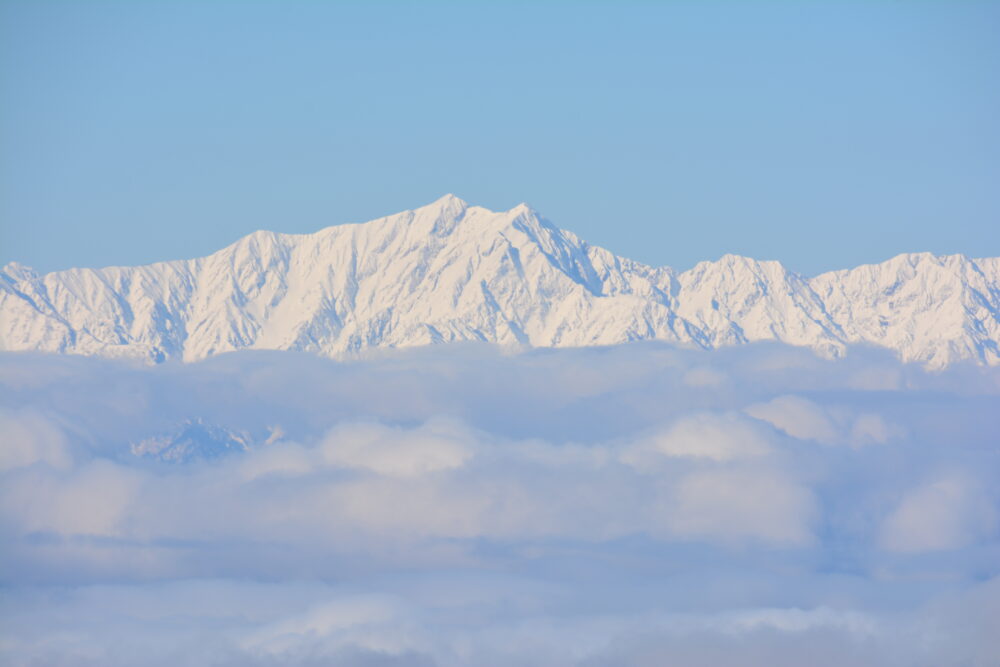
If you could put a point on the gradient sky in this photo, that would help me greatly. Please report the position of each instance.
(823, 135)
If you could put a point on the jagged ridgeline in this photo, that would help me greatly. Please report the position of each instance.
(453, 272)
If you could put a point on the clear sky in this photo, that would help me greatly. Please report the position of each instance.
(821, 134)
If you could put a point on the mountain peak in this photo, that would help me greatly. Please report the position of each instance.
(524, 208)
(448, 202)
(19, 271)
(450, 272)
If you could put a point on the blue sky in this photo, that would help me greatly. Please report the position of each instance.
(823, 135)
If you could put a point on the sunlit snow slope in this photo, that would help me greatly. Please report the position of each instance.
(451, 272)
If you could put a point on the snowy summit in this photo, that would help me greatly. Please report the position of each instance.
(449, 271)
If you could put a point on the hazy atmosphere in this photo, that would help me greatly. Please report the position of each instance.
(631, 505)
(669, 334)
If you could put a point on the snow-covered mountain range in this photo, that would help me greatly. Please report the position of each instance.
(452, 272)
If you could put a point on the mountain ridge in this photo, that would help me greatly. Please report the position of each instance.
(449, 271)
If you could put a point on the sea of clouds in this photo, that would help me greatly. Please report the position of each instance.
(463, 505)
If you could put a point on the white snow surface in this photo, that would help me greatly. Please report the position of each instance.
(453, 272)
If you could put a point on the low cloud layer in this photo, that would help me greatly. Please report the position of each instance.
(638, 504)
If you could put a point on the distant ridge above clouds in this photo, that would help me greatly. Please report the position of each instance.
(449, 271)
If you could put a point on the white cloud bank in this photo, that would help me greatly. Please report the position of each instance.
(450, 506)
